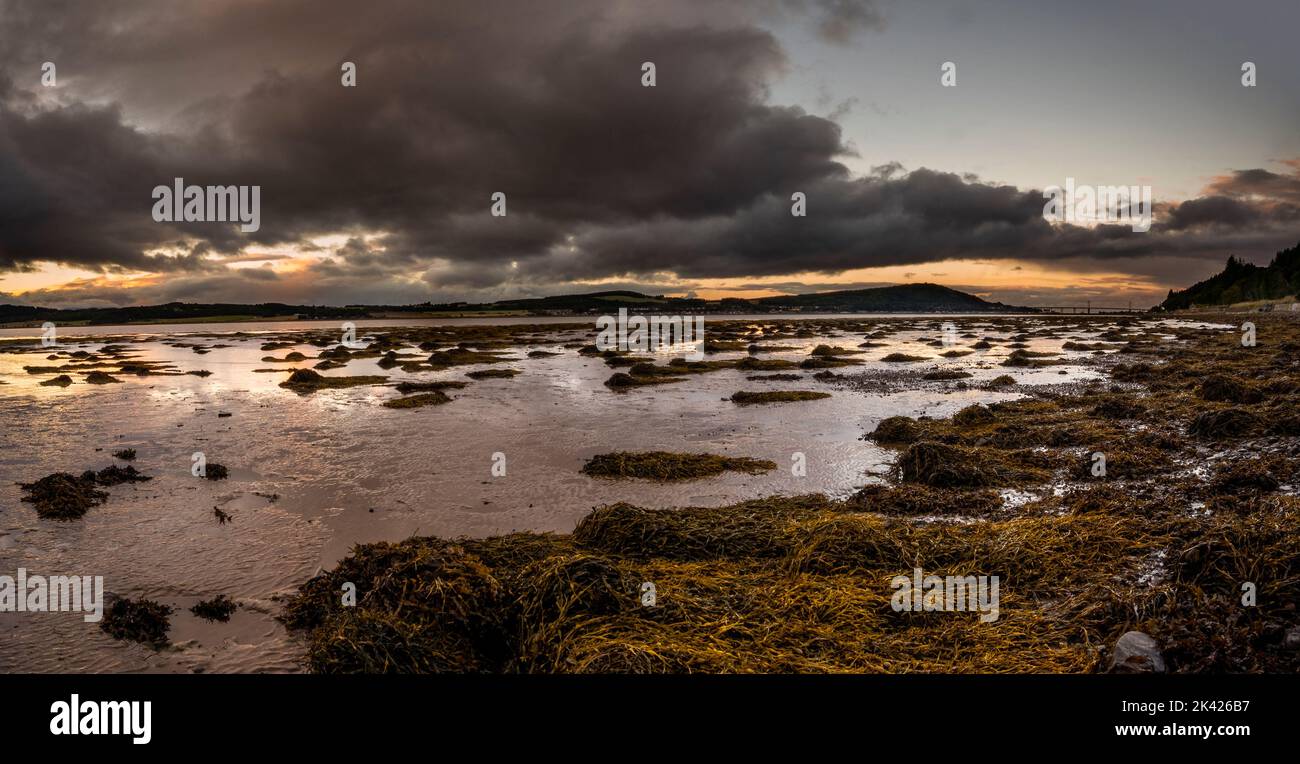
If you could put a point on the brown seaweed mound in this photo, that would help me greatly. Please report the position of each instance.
(139, 620)
(744, 398)
(63, 496)
(664, 465)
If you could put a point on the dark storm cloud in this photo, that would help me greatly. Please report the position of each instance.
(1254, 197)
(64, 195)
(878, 220)
(1261, 183)
(1210, 210)
(554, 115)
(458, 100)
(893, 218)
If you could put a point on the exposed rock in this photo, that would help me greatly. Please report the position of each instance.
(1136, 653)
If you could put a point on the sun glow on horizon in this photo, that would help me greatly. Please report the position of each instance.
(1029, 282)
(984, 278)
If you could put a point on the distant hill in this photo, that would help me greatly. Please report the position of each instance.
(1242, 282)
(594, 302)
(908, 298)
(919, 298)
(911, 298)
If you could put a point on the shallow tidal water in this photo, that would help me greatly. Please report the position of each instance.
(310, 476)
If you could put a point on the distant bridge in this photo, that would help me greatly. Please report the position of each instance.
(1088, 309)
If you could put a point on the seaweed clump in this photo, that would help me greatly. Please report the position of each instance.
(306, 381)
(219, 608)
(895, 429)
(941, 465)
(1226, 423)
(973, 415)
(422, 606)
(1244, 476)
(139, 620)
(945, 374)
(115, 475)
(1223, 389)
(827, 351)
(492, 373)
(744, 398)
(419, 400)
(460, 356)
(1029, 358)
(63, 496)
(406, 388)
(915, 500)
(621, 381)
(214, 471)
(667, 466)
(101, 378)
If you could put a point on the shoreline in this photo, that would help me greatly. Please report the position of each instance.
(577, 319)
(523, 317)
(395, 319)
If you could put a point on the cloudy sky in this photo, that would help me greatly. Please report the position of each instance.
(381, 193)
